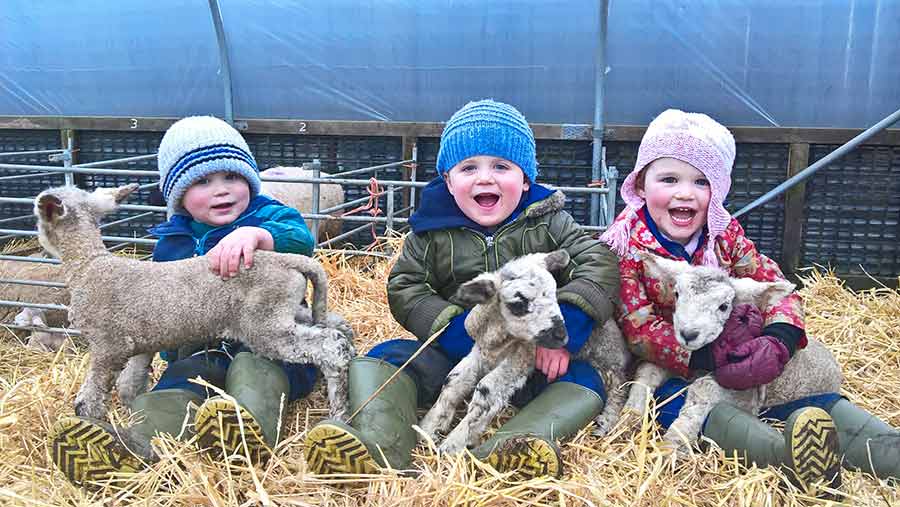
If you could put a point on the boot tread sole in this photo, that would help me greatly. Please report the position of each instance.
(332, 449)
(528, 457)
(87, 452)
(219, 432)
(812, 440)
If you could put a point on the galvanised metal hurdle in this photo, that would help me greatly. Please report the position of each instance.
(394, 220)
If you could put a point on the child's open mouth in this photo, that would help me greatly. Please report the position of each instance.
(487, 200)
(682, 216)
(223, 206)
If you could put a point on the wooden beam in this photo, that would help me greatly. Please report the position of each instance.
(794, 200)
(578, 132)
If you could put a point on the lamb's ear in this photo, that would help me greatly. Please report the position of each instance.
(48, 207)
(761, 294)
(482, 288)
(665, 270)
(556, 260)
(120, 193)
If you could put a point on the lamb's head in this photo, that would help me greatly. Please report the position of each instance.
(704, 297)
(64, 210)
(524, 294)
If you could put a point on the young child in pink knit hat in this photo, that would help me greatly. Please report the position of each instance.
(674, 198)
(675, 209)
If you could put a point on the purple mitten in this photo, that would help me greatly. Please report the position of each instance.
(753, 363)
(744, 324)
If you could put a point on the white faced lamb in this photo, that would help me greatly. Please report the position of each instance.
(504, 352)
(128, 309)
(705, 298)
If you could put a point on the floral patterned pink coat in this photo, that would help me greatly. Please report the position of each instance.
(645, 315)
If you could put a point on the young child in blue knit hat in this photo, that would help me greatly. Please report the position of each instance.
(211, 185)
(482, 210)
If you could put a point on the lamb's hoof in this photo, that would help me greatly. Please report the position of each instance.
(341, 414)
(89, 410)
(603, 425)
(45, 342)
(87, 451)
(453, 444)
(527, 457)
(219, 432)
(679, 449)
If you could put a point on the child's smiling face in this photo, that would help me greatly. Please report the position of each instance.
(217, 199)
(677, 196)
(487, 189)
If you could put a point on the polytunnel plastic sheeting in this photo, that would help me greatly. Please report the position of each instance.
(100, 58)
(746, 62)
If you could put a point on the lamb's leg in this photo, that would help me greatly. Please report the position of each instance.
(459, 385)
(647, 378)
(702, 395)
(133, 378)
(491, 395)
(331, 350)
(93, 397)
(615, 401)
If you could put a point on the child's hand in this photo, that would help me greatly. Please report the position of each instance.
(553, 363)
(225, 257)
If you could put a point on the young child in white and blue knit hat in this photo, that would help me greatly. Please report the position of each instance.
(484, 209)
(211, 185)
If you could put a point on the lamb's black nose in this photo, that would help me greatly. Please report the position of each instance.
(689, 336)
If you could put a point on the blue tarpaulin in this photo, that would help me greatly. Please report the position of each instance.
(806, 63)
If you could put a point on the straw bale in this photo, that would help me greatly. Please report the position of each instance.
(36, 388)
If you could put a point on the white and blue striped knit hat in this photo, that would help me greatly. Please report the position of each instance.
(487, 127)
(195, 147)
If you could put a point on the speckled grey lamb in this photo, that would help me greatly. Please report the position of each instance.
(128, 309)
(504, 352)
(701, 291)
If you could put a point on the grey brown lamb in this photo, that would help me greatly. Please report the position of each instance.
(128, 310)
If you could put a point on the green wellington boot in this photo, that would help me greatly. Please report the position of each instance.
(259, 386)
(807, 450)
(380, 435)
(88, 450)
(868, 443)
(526, 444)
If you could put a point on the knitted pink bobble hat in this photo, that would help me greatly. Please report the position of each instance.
(693, 138)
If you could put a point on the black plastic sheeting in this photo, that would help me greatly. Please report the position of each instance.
(812, 63)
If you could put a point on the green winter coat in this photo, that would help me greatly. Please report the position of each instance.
(434, 263)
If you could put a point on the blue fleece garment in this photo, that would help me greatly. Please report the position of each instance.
(579, 326)
(455, 340)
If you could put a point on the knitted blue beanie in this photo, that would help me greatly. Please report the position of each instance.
(195, 147)
(488, 128)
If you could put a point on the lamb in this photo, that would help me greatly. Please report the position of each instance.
(504, 351)
(127, 309)
(706, 296)
(299, 196)
(40, 340)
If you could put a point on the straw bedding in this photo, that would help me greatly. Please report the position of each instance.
(625, 468)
